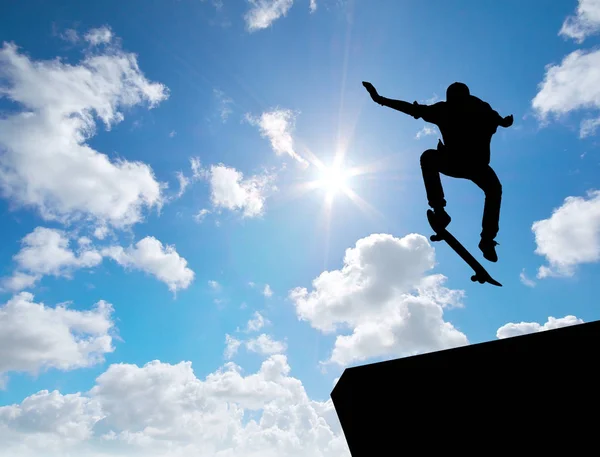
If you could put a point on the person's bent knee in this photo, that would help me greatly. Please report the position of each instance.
(428, 158)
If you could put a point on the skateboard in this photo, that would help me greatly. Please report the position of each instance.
(481, 275)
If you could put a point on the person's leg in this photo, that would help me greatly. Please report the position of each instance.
(432, 163)
(488, 181)
(430, 167)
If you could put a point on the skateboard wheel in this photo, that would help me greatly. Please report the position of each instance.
(434, 238)
(473, 278)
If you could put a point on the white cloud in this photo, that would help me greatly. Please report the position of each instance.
(101, 232)
(46, 252)
(257, 322)
(45, 422)
(224, 104)
(585, 23)
(231, 346)
(267, 292)
(525, 280)
(425, 131)
(172, 134)
(101, 35)
(313, 6)
(588, 127)
(201, 215)
(277, 126)
(230, 190)
(149, 255)
(84, 241)
(262, 344)
(371, 295)
(264, 12)
(46, 163)
(19, 281)
(214, 285)
(69, 35)
(183, 184)
(198, 172)
(511, 329)
(265, 345)
(165, 410)
(35, 337)
(574, 84)
(571, 236)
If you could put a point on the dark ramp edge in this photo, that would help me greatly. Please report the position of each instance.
(538, 392)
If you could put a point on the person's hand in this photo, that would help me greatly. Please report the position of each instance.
(507, 121)
(372, 91)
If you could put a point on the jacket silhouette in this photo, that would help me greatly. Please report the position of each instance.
(467, 125)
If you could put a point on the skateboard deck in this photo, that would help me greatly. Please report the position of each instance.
(481, 275)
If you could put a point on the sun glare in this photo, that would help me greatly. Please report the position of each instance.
(332, 179)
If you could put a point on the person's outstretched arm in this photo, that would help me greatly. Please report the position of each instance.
(412, 109)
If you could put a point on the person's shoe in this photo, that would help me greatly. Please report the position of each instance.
(442, 217)
(488, 248)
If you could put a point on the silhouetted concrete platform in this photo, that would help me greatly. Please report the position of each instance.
(537, 392)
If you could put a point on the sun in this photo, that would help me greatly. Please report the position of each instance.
(333, 179)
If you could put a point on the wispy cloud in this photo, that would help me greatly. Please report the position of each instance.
(525, 280)
(264, 12)
(278, 126)
(225, 104)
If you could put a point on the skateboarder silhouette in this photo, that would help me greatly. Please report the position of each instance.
(467, 125)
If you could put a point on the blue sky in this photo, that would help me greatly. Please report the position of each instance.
(156, 161)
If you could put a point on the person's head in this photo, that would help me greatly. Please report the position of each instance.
(457, 91)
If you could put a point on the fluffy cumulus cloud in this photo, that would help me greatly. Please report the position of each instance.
(522, 328)
(383, 295)
(574, 84)
(570, 236)
(262, 344)
(100, 35)
(47, 252)
(46, 162)
(265, 345)
(151, 256)
(264, 12)
(257, 322)
(164, 410)
(45, 423)
(584, 23)
(232, 191)
(34, 337)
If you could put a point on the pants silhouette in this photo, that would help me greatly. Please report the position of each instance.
(436, 161)
(467, 125)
